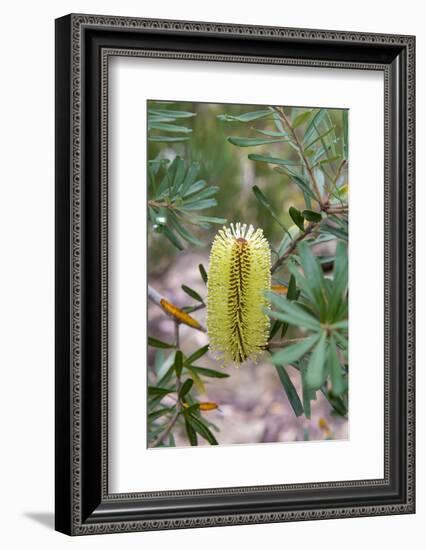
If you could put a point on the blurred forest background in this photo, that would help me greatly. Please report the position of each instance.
(252, 405)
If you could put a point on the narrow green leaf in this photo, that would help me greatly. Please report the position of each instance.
(254, 142)
(246, 117)
(264, 202)
(292, 353)
(207, 219)
(340, 279)
(161, 412)
(336, 402)
(191, 433)
(192, 293)
(178, 363)
(193, 188)
(202, 429)
(302, 118)
(182, 231)
(210, 373)
(315, 373)
(171, 113)
(345, 132)
(335, 231)
(290, 390)
(169, 127)
(274, 329)
(199, 205)
(185, 388)
(204, 194)
(312, 126)
(158, 343)
(190, 177)
(306, 392)
(196, 355)
(164, 230)
(169, 139)
(155, 391)
(312, 216)
(273, 160)
(336, 374)
(328, 160)
(203, 273)
(293, 314)
(320, 137)
(282, 133)
(297, 217)
(313, 274)
(292, 293)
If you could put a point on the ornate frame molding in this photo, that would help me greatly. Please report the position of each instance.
(73, 48)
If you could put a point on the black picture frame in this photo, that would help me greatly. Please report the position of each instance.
(83, 45)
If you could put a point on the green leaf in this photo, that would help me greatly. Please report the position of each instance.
(171, 113)
(202, 429)
(164, 230)
(341, 325)
(193, 187)
(292, 293)
(254, 142)
(264, 202)
(320, 137)
(328, 160)
(159, 413)
(307, 393)
(292, 313)
(192, 293)
(274, 329)
(185, 388)
(191, 433)
(273, 160)
(246, 117)
(282, 133)
(192, 409)
(210, 373)
(336, 402)
(169, 139)
(315, 373)
(203, 273)
(196, 355)
(158, 343)
(169, 127)
(312, 216)
(155, 391)
(302, 118)
(312, 126)
(297, 217)
(290, 390)
(337, 380)
(292, 353)
(182, 231)
(345, 132)
(178, 363)
(207, 219)
(340, 279)
(204, 194)
(313, 274)
(335, 231)
(199, 205)
(189, 178)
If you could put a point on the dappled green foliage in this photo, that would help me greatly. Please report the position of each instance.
(304, 148)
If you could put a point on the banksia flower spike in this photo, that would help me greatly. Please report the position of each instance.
(239, 276)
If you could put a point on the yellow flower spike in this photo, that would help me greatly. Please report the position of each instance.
(239, 276)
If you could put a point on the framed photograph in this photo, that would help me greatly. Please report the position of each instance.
(234, 274)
